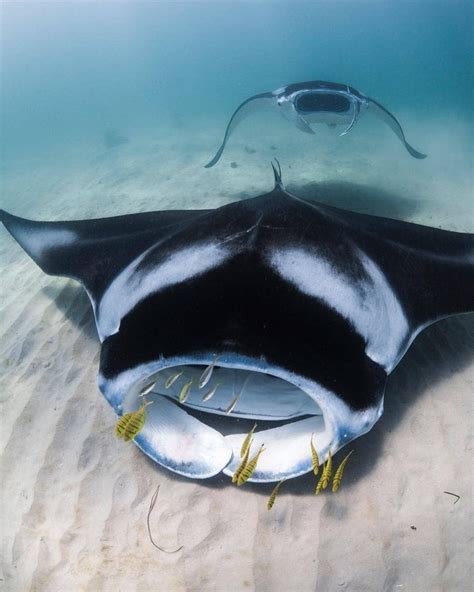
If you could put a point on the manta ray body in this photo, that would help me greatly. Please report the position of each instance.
(306, 103)
(303, 308)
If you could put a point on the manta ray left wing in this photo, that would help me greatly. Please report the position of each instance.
(393, 124)
(242, 112)
(94, 252)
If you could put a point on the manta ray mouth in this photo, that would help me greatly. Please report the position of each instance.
(199, 432)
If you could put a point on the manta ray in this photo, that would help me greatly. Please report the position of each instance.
(302, 309)
(317, 101)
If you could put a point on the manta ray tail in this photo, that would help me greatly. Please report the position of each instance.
(242, 112)
(394, 125)
(277, 174)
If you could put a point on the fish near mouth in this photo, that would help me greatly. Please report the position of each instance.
(199, 432)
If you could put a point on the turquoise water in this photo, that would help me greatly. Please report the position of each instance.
(71, 70)
(110, 108)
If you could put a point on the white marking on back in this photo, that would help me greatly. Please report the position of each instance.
(369, 303)
(39, 241)
(133, 285)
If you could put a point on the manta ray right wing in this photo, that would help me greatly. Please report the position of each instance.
(242, 112)
(392, 122)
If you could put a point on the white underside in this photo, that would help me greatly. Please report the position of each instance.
(186, 445)
(329, 118)
(260, 396)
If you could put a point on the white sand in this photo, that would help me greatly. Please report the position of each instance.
(75, 499)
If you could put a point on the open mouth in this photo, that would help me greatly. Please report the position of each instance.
(199, 432)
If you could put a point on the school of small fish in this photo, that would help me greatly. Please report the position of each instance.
(130, 424)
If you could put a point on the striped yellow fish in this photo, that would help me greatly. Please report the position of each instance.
(243, 462)
(314, 457)
(326, 475)
(249, 468)
(339, 473)
(184, 394)
(271, 499)
(130, 424)
(246, 443)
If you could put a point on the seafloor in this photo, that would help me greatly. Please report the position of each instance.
(75, 499)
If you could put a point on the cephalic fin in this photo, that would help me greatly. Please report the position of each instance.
(354, 119)
(301, 123)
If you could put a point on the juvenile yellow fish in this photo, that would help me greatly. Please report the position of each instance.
(147, 389)
(271, 499)
(314, 457)
(241, 467)
(211, 392)
(249, 468)
(130, 424)
(326, 475)
(172, 379)
(339, 473)
(232, 405)
(206, 375)
(246, 443)
(183, 395)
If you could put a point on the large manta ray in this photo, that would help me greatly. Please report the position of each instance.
(304, 308)
(305, 103)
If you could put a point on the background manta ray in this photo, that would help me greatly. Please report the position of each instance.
(316, 102)
(304, 308)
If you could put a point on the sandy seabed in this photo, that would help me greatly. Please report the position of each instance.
(74, 499)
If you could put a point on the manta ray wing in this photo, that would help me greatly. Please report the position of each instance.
(93, 252)
(392, 122)
(245, 109)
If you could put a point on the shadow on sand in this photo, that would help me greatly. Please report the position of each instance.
(364, 199)
(74, 303)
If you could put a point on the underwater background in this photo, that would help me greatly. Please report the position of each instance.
(111, 107)
(163, 78)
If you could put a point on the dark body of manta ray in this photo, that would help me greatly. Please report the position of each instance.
(305, 309)
(317, 101)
